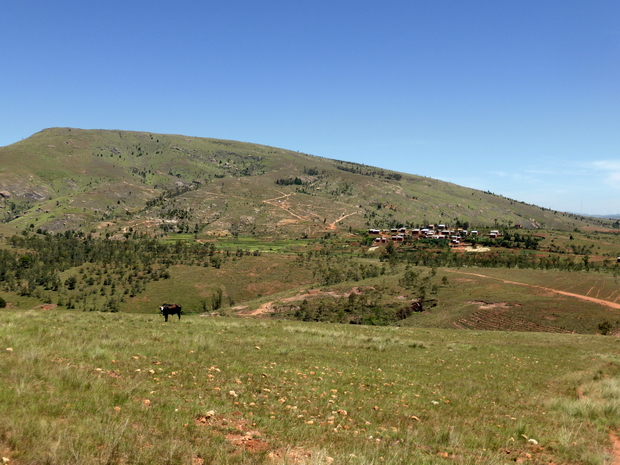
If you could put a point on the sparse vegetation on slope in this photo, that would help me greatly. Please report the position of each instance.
(341, 279)
(114, 182)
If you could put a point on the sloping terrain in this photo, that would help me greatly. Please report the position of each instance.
(97, 388)
(118, 182)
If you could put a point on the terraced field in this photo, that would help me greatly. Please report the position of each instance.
(503, 320)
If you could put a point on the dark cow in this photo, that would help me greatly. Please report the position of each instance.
(170, 309)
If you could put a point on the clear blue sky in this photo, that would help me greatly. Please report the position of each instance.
(521, 98)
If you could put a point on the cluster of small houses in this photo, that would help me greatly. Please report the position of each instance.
(430, 232)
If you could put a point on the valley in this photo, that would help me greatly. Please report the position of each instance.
(305, 337)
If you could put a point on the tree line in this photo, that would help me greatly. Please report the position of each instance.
(80, 271)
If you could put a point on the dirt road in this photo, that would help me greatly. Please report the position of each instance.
(606, 303)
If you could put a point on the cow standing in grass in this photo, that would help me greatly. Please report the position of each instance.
(170, 309)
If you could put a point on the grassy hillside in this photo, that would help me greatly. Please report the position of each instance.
(301, 340)
(112, 182)
(118, 388)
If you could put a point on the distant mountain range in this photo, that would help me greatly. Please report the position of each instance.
(122, 182)
(609, 217)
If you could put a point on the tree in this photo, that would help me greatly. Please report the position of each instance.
(216, 299)
(71, 282)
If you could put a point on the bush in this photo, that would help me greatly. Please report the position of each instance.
(2, 303)
(605, 327)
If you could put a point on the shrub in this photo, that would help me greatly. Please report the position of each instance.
(605, 327)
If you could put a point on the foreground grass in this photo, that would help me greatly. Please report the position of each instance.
(124, 388)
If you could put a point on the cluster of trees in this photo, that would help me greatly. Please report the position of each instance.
(358, 169)
(510, 241)
(364, 308)
(80, 271)
(421, 283)
(311, 171)
(436, 257)
(329, 268)
(290, 182)
(371, 305)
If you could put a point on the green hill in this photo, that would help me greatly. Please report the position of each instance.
(113, 182)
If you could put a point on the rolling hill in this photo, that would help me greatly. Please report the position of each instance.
(112, 182)
(501, 340)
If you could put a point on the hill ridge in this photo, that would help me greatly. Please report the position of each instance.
(114, 181)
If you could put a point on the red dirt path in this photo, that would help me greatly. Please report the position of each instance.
(606, 303)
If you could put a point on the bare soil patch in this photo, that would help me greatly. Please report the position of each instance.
(268, 307)
(243, 434)
(615, 447)
(597, 229)
(486, 305)
(476, 249)
(46, 306)
(237, 431)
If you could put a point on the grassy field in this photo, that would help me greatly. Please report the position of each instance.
(97, 388)
(525, 295)
(526, 379)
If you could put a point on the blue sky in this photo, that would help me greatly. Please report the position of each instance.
(521, 98)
